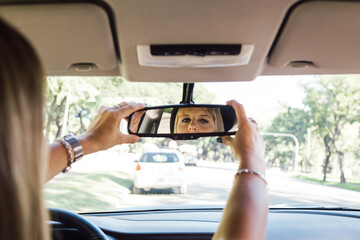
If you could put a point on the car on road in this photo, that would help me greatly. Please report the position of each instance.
(162, 169)
(190, 162)
(190, 154)
(259, 52)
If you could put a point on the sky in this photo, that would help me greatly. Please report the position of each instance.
(262, 97)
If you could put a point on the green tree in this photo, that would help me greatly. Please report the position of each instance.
(87, 94)
(83, 94)
(280, 149)
(333, 102)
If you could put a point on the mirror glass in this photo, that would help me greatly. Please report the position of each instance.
(212, 120)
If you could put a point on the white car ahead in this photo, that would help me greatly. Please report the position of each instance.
(163, 169)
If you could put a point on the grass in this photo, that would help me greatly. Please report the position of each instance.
(351, 184)
(86, 192)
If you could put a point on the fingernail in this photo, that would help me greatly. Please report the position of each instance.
(140, 140)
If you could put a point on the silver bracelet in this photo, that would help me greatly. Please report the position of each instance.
(69, 153)
(248, 171)
(76, 147)
(73, 149)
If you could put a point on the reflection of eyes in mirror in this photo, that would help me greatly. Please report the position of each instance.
(198, 120)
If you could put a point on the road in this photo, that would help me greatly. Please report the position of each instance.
(211, 184)
(102, 182)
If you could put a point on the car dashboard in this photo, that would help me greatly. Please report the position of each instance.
(201, 223)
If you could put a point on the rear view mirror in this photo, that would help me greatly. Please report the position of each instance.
(184, 121)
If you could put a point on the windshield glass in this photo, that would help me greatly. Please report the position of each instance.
(310, 126)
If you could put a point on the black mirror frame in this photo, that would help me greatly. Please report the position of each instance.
(182, 136)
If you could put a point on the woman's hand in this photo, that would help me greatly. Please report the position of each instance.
(245, 213)
(102, 134)
(135, 121)
(248, 145)
(104, 131)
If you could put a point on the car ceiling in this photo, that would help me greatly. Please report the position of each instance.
(110, 37)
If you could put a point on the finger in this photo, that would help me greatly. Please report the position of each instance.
(130, 108)
(130, 138)
(239, 111)
(118, 106)
(227, 140)
(114, 108)
(252, 120)
(253, 123)
(122, 104)
(102, 108)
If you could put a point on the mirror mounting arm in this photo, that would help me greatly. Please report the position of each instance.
(188, 89)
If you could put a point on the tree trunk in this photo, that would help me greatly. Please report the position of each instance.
(47, 128)
(82, 128)
(60, 117)
(338, 151)
(58, 132)
(272, 162)
(50, 119)
(327, 156)
(341, 164)
(205, 153)
(326, 165)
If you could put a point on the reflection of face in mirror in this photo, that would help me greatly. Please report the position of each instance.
(198, 120)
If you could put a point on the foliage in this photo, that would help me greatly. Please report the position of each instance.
(295, 121)
(330, 107)
(87, 94)
(351, 185)
(280, 150)
(332, 102)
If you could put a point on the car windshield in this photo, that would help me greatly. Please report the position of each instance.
(310, 126)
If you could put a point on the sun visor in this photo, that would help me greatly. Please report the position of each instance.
(319, 35)
(71, 39)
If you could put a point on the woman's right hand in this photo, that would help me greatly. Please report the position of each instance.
(104, 131)
(248, 145)
(135, 121)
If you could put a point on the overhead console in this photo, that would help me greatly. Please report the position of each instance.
(309, 40)
(194, 55)
(71, 38)
(194, 41)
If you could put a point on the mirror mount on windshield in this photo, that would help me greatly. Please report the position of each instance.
(188, 89)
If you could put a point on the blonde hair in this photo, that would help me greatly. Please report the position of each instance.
(22, 147)
(215, 114)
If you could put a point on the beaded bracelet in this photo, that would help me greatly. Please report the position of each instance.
(248, 171)
(69, 152)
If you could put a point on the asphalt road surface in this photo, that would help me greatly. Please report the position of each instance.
(211, 184)
(96, 187)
